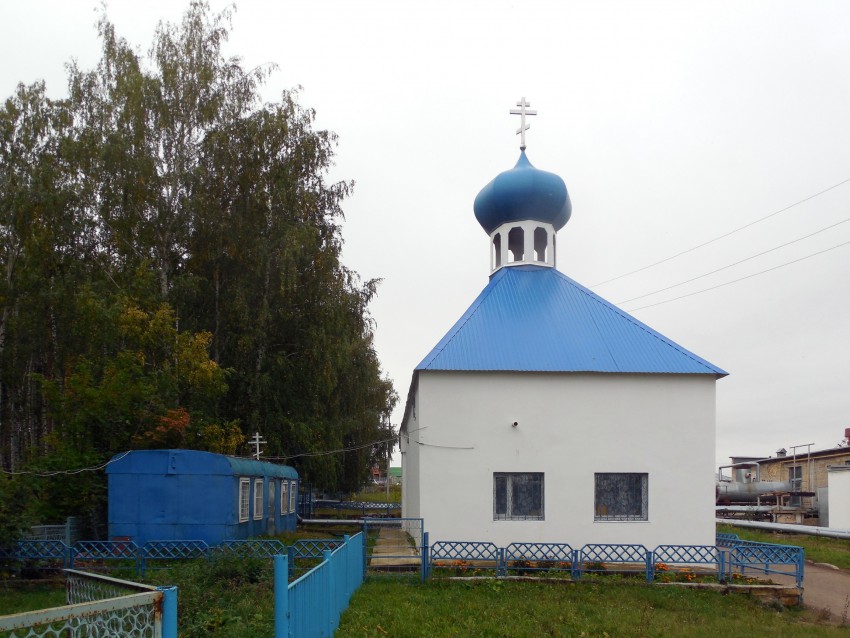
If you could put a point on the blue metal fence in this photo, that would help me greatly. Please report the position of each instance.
(311, 605)
(538, 557)
(665, 557)
(766, 558)
(127, 555)
(728, 557)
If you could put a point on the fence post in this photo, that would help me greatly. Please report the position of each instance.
(577, 559)
(650, 566)
(290, 554)
(365, 548)
(169, 611)
(330, 596)
(425, 558)
(281, 596)
(502, 564)
(346, 590)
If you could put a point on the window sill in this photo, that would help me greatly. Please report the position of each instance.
(619, 522)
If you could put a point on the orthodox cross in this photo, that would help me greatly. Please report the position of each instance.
(257, 441)
(522, 111)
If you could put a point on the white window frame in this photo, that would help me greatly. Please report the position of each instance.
(512, 483)
(292, 494)
(284, 498)
(601, 509)
(244, 503)
(258, 498)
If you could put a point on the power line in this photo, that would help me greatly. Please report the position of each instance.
(719, 237)
(737, 263)
(339, 451)
(66, 472)
(734, 281)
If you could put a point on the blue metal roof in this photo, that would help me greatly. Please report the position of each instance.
(531, 318)
(194, 462)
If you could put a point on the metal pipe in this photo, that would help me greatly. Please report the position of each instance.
(787, 527)
(742, 464)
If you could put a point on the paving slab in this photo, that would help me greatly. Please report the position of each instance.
(393, 549)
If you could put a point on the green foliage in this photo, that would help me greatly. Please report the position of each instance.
(15, 494)
(228, 597)
(17, 598)
(170, 272)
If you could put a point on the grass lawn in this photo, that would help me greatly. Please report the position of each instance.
(835, 551)
(19, 597)
(396, 607)
(378, 494)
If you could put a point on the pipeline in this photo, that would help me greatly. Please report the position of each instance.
(788, 527)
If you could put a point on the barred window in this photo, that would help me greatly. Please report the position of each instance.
(258, 498)
(244, 489)
(622, 497)
(284, 502)
(517, 496)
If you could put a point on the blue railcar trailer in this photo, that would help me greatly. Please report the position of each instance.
(168, 495)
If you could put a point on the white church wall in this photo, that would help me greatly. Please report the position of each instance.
(410, 477)
(570, 426)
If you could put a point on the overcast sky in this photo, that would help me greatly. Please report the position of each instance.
(672, 123)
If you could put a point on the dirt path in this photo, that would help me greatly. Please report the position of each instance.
(827, 588)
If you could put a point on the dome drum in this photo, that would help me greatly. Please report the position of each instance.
(526, 242)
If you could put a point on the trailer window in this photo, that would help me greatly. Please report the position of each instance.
(244, 489)
(284, 500)
(258, 499)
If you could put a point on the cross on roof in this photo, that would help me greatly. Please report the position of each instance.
(522, 111)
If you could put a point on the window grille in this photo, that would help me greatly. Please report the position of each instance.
(518, 496)
(622, 497)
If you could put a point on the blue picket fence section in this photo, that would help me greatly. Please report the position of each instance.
(310, 607)
(305, 551)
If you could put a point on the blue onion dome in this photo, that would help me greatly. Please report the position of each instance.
(523, 193)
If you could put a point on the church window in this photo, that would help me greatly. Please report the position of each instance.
(622, 497)
(258, 498)
(497, 250)
(518, 496)
(516, 244)
(540, 240)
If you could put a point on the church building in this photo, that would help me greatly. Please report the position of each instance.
(547, 414)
